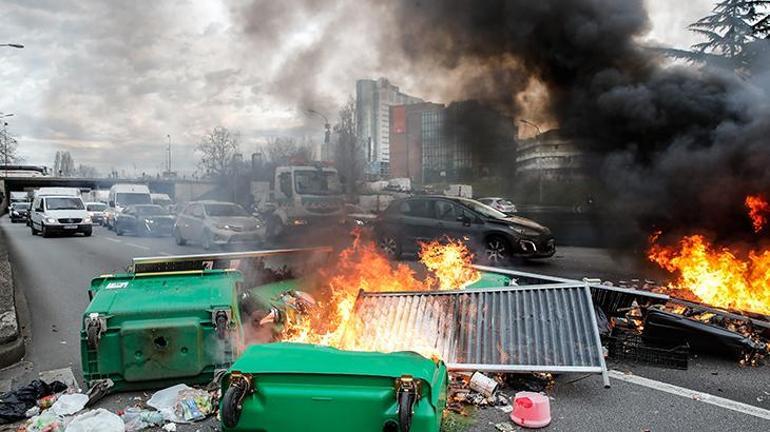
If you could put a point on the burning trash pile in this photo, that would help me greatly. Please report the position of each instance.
(362, 267)
(720, 299)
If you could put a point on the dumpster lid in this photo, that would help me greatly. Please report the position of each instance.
(127, 293)
(284, 357)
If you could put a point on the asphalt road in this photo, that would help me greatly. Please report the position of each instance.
(54, 274)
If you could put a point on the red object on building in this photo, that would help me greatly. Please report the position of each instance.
(406, 139)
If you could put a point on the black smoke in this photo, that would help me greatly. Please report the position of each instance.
(680, 146)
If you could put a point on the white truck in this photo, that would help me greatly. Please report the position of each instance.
(123, 195)
(300, 197)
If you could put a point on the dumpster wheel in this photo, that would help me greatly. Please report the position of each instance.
(232, 402)
(92, 336)
(405, 410)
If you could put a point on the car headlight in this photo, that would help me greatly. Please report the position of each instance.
(50, 220)
(524, 230)
(149, 221)
(87, 219)
(299, 222)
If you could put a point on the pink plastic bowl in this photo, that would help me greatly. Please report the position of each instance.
(531, 410)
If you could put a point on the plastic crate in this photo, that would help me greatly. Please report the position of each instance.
(632, 347)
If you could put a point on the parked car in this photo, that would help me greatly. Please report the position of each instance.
(147, 219)
(52, 214)
(500, 204)
(214, 223)
(18, 211)
(97, 211)
(498, 237)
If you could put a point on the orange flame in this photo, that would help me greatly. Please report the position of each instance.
(363, 267)
(758, 210)
(717, 276)
(450, 262)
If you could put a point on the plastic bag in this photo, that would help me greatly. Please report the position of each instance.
(182, 404)
(99, 420)
(14, 404)
(47, 421)
(69, 404)
(137, 419)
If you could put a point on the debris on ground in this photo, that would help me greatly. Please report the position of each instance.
(137, 419)
(15, 404)
(531, 410)
(68, 404)
(504, 427)
(45, 422)
(183, 404)
(98, 420)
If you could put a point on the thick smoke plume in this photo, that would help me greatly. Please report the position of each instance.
(680, 146)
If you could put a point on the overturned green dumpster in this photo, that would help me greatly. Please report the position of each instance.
(157, 329)
(297, 387)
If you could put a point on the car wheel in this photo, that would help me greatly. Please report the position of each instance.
(497, 251)
(180, 241)
(118, 231)
(44, 231)
(206, 240)
(88, 233)
(32, 229)
(389, 245)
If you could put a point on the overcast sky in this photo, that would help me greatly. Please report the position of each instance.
(109, 80)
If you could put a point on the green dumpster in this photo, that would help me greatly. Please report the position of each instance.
(153, 330)
(491, 280)
(285, 387)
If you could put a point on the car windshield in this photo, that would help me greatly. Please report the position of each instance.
(151, 211)
(483, 209)
(96, 207)
(127, 199)
(21, 206)
(64, 204)
(317, 182)
(224, 210)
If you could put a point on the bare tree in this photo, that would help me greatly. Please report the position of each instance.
(86, 171)
(8, 148)
(348, 154)
(63, 164)
(218, 151)
(283, 150)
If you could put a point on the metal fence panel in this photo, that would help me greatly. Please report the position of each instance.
(542, 328)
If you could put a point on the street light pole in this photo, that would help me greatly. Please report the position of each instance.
(327, 134)
(168, 168)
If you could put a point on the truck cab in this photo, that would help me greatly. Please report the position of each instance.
(123, 195)
(307, 195)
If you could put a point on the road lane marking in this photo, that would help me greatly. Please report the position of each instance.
(112, 240)
(692, 394)
(164, 253)
(137, 246)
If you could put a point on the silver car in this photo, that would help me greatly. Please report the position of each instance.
(215, 223)
(500, 204)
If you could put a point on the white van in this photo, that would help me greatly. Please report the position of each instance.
(123, 195)
(64, 214)
(59, 191)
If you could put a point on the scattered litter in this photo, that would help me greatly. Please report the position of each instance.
(531, 410)
(64, 375)
(69, 404)
(99, 389)
(182, 404)
(45, 422)
(35, 410)
(171, 427)
(99, 420)
(15, 404)
(483, 384)
(137, 419)
(504, 427)
(46, 402)
(506, 408)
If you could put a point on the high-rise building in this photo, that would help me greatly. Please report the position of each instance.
(373, 101)
(406, 156)
(552, 156)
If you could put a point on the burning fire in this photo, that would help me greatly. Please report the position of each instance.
(717, 276)
(758, 211)
(363, 267)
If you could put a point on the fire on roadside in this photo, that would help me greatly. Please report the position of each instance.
(362, 266)
(758, 210)
(718, 276)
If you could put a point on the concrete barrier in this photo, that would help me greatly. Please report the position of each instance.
(11, 341)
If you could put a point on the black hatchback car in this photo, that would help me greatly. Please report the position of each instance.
(411, 220)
